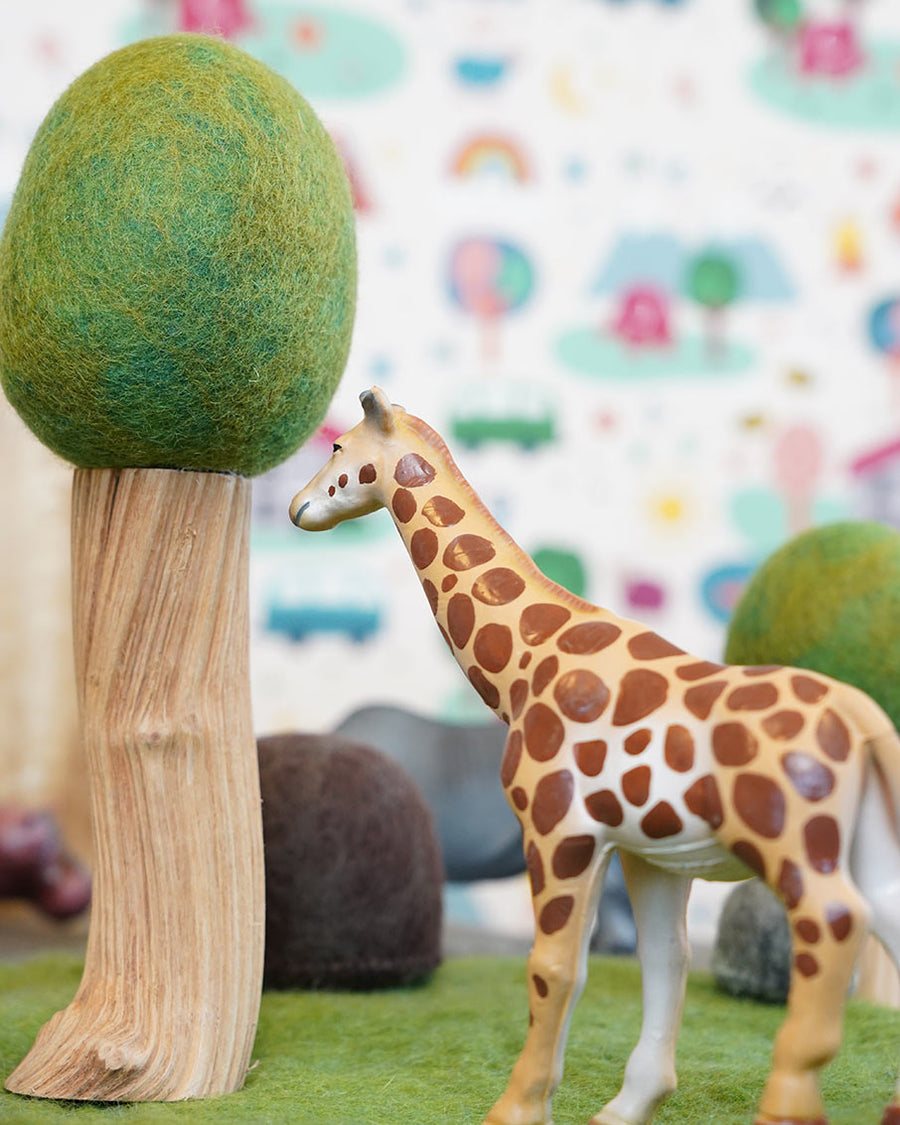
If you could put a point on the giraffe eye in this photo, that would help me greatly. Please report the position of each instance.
(336, 448)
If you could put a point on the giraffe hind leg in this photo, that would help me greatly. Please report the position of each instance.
(875, 862)
(828, 922)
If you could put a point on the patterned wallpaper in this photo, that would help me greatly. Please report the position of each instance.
(637, 260)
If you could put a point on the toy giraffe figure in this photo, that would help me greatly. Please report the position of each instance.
(618, 739)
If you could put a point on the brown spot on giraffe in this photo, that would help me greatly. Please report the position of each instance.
(636, 785)
(511, 757)
(447, 640)
(581, 695)
(539, 622)
(431, 594)
(488, 691)
(519, 798)
(783, 725)
(588, 638)
(700, 698)
(679, 750)
(467, 551)
(449, 582)
(811, 778)
(368, 474)
(752, 697)
(806, 965)
(733, 744)
(544, 732)
(590, 756)
(573, 856)
(640, 693)
(535, 866)
(423, 547)
(790, 883)
(638, 741)
(661, 821)
(759, 802)
(839, 919)
(524, 660)
(442, 512)
(807, 929)
(555, 914)
(808, 690)
(604, 806)
(540, 985)
(499, 586)
(703, 800)
(544, 674)
(403, 505)
(493, 646)
(331, 490)
(761, 669)
(552, 797)
(412, 471)
(343, 480)
(697, 670)
(751, 855)
(651, 646)
(460, 619)
(832, 735)
(518, 697)
(822, 838)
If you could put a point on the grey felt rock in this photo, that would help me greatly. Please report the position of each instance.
(457, 769)
(353, 868)
(752, 955)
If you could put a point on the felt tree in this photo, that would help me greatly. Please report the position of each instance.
(177, 284)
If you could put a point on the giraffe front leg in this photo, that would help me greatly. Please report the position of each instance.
(828, 925)
(564, 911)
(659, 899)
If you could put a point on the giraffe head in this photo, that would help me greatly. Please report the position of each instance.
(350, 483)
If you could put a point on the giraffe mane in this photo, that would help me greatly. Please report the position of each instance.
(435, 442)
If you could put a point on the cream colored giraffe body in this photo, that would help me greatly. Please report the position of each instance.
(618, 739)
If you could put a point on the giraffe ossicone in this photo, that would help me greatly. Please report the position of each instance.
(621, 740)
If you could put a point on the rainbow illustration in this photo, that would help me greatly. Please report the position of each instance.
(490, 154)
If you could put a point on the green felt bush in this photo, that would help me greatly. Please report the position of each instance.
(441, 1054)
(828, 600)
(177, 269)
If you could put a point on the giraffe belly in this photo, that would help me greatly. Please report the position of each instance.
(702, 859)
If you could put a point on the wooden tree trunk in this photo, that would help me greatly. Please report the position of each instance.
(169, 1000)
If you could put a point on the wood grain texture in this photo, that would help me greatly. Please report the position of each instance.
(168, 1003)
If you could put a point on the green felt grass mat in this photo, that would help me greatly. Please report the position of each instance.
(440, 1054)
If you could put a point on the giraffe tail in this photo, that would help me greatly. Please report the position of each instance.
(883, 744)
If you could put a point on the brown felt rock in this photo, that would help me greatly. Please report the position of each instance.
(353, 869)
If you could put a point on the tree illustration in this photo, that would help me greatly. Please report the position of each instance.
(713, 282)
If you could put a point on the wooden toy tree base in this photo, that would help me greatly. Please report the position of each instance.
(168, 1003)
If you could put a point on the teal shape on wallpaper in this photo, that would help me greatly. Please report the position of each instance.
(761, 515)
(590, 352)
(325, 51)
(867, 100)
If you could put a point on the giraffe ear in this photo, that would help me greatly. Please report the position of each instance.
(377, 409)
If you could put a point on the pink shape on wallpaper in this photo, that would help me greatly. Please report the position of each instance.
(798, 457)
(643, 317)
(222, 17)
(830, 48)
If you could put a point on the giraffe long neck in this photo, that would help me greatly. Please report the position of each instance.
(489, 600)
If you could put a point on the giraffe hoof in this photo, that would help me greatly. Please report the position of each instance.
(765, 1119)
